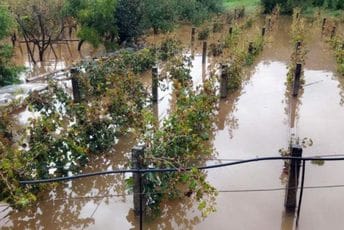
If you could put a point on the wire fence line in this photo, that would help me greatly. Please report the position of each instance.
(313, 187)
(170, 170)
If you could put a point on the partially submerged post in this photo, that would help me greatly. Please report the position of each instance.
(204, 54)
(80, 43)
(193, 34)
(250, 48)
(137, 160)
(14, 39)
(242, 12)
(75, 84)
(298, 45)
(333, 32)
(269, 24)
(224, 81)
(263, 31)
(293, 179)
(297, 79)
(230, 31)
(323, 24)
(155, 83)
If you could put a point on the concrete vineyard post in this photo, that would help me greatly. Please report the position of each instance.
(293, 179)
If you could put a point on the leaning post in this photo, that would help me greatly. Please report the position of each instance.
(293, 179)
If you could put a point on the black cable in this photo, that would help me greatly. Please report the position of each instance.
(155, 170)
(301, 192)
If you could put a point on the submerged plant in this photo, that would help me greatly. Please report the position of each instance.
(337, 45)
(298, 37)
(182, 141)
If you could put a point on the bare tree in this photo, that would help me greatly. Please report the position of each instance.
(41, 23)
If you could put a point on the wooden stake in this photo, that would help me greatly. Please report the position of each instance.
(193, 33)
(323, 25)
(137, 160)
(155, 83)
(297, 78)
(204, 54)
(224, 81)
(75, 84)
(263, 31)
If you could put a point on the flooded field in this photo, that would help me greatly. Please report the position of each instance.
(256, 121)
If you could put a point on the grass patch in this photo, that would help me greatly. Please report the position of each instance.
(250, 5)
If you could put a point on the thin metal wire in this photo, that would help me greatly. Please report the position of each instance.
(315, 187)
(166, 170)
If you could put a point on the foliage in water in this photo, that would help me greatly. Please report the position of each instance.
(182, 141)
(59, 140)
(337, 44)
(298, 40)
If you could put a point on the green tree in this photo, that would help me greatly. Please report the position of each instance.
(41, 23)
(8, 72)
(160, 15)
(288, 5)
(129, 19)
(197, 11)
(97, 20)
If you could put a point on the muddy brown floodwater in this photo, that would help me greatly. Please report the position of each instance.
(67, 55)
(254, 122)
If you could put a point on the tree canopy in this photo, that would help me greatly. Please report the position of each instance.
(8, 73)
(104, 21)
(288, 5)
